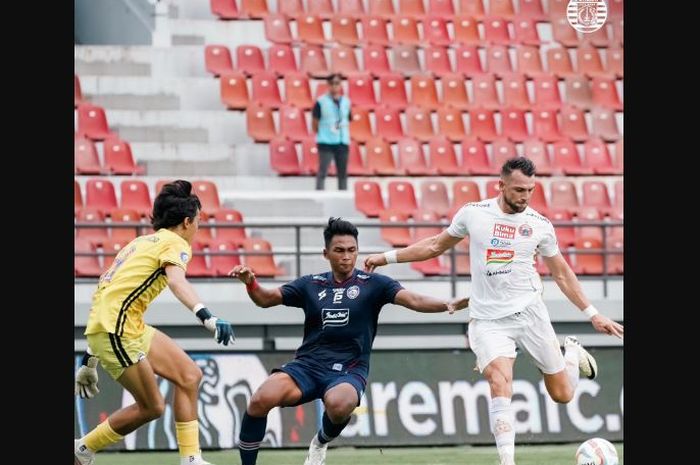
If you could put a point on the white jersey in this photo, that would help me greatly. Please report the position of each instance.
(502, 249)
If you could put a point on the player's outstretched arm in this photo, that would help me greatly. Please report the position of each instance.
(425, 304)
(259, 295)
(571, 287)
(422, 250)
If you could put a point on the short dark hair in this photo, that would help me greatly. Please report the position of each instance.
(333, 76)
(174, 203)
(518, 163)
(338, 227)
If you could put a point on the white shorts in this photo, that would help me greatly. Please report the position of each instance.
(531, 330)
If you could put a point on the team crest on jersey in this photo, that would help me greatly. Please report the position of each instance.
(184, 257)
(335, 316)
(503, 231)
(525, 230)
(352, 292)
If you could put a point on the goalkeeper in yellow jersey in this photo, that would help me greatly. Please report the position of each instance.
(132, 352)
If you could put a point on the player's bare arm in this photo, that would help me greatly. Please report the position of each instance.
(180, 287)
(571, 287)
(426, 304)
(261, 296)
(422, 250)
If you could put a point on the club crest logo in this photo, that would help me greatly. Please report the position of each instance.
(352, 292)
(587, 15)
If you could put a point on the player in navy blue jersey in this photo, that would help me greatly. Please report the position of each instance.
(341, 310)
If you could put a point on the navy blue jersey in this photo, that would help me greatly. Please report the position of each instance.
(341, 318)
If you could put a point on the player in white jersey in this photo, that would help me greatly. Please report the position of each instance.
(506, 308)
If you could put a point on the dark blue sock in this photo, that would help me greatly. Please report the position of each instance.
(252, 434)
(330, 430)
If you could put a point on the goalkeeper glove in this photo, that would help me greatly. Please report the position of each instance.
(222, 329)
(86, 377)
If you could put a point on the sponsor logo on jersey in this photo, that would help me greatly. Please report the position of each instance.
(500, 242)
(525, 230)
(321, 294)
(363, 276)
(352, 292)
(335, 316)
(499, 256)
(475, 204)
(539, 217)
(338, 295)
(184, 257)
(504, 231)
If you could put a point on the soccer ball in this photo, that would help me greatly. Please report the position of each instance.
(596, 451)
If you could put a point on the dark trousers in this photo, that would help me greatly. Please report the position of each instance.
(327, 152)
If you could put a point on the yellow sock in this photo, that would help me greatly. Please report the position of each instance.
(102, 436)
(187, 433)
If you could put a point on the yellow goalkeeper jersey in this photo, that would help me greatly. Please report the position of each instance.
(135, 278)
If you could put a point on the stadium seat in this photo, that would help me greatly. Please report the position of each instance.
(435, 31)
(310, 158)
(223, 264)
(437, 61)
(197, 266)
(297, 91)
(266, 92)
(290, 8)
(208, 196)
(356, 165)
(597, 158)
(588, 214)
(588, 61)
(205, 234)
(99, 194)
(227, 9)
(557, 8)
(86, 266)
(119, 159)
(93, 216)
(234, 90)
(322, 8)
(545, 126)
(281, 59)
(135, 196)
(573, 124)
(450, 123)
(249, 59)
(528, 60)
(466, 31)
(388, 123)
(374, 60)
(502, 8)
(562, 31)
(262, 265)
(604, 124)
(419, 123)
(86, 158)
(92, 122)
(468, 61)
(343, 60)
(368, 198)
(514, 125)
(483, 124)
(77, 92)
(464, 192)
(283, 157)
(217, 59)
(615, 62)
(502, 150)
(587, 263)
(229, 216)
(615, 261)
(536, 151)
(566, 159)
(454, 93)
(433, 197)
(474, 158)
(124, 215)
(382, 8)
(532, 9)
(412, 8)
(496, 30)
(605, 93)
(405, 31)
(160, 183)
(492, 189)
(254, 9)
(412, 159)
(442, 157)
(313, 61)
(498, 60)
(423, 92)
(402, 197)
(578, 91)
(406, 60)
(563, 195)
(344, 30)
(615, 232)
(566, 236)
(474, 8)
(361, 91)
(77, 196)
(351, 8)
(396, 236)
(293, 123)
(423, 215)
(538, 200)
(526, 31)
(546, 92)
(259, 123)
(559, 62)
(374, 32)
(360, 125)
(484, 91)
(598, 38)
(380, 159)
(310, 30)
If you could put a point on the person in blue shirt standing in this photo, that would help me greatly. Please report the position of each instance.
(331, 123)
(341, 310)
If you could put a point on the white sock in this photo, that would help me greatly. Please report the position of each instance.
(502, 426)
(571, 357)
(316, 442)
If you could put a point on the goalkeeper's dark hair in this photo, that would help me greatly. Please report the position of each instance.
(338, 227)
(518, 163)
(174, 203)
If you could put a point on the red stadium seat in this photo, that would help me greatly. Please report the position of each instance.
(229, 216)
(473, 8)
(290, 8)
(217, 59)
(503, 8)
(502, 151)
(223, 264)
(496, 30)
(255, 9)
(135, 196)
(437, 61)
(266, 93)
(361, 91)
(405, 30)
(528, 60)
(119, 159)
(249, 59)
(402, 197)
(313, 61)
(597, 158)
(412, 8)
(343, 60)
(259, 123)
(412, 159)
(434, 197)
(483, 124)
(559, 62)
(283, 157)
(526, 31)
(93, 216)
(468, 61)
(396, 236)
(595, 194)
(514, 125)
(234, 90)
(351, 7)
(616, 261)
(374, 33)
(563, 195)
(450, 123)
(92, 122)
(344, 30)
(492, 189)
(532, 9)
(454, 93)
(443, 158)
(356, 165)
(441, 8)
(588, 61)
(322, 8)
(536, 151)
(562, 31)
(86, 266)
(546, 92)
(281, 60)
(465, 30)
(588, 263)
(99, 194)
(566, 159)
(423, 92)
(578, 91)
(297, 91)
(464, 192)
(124, 215)
(310, 30)
(225, 9)
(605, 124)
(197, 267)
(208, 196)
(419, 124)
(406, 60)
(484, 91)
(515, 91)
(368, 198)
(573, 124)
(546, 126)
(498, 60)
(262, 265)
(566, 236)
(474, 158)
(435, 31)
(360, 125)
(605, 93)
(388, 122)
(383, 8)
(380, 160)
(86, 158)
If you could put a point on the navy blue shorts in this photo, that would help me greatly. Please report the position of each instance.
(314, 381)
